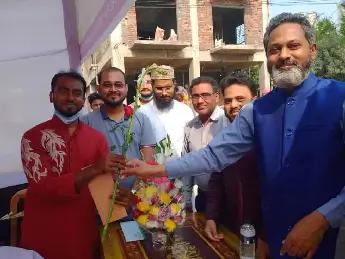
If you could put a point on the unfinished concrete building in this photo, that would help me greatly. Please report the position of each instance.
(196, 37)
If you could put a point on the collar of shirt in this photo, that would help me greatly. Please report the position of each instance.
(61, 126)
(105, 115)
(305, 87)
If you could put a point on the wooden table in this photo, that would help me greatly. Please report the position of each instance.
(189, 237)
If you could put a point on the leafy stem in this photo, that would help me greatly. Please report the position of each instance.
(129, 138)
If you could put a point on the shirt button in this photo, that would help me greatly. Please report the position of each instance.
(291, 101)
(288, 133)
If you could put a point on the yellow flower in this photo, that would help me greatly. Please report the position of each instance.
(165, 198)
(170, 225)
(150, 191)
(143, 206)
(142, 219)
(138, 195)
(175, 208)
(154, 211)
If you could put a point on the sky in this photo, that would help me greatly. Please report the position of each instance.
(329, 10)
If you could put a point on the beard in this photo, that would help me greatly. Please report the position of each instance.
(112, 103)
(69, 112)
(164, 105)
(290, 78)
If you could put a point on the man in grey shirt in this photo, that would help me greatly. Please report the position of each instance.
(199, 132)
(112, 119)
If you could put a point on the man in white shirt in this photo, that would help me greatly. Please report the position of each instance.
(199, 132)
(167, 116)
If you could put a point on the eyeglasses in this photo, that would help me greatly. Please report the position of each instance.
(204, 96)
(117, 85)
(149, 82)
(166, 88)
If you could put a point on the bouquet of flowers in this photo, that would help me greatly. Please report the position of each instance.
(159, 205)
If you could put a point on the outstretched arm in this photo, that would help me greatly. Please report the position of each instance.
(232, 143)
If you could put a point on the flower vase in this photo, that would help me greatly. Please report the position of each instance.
(160, 239)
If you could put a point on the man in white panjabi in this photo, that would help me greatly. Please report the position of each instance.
(167, 116)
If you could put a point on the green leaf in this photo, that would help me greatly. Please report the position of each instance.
(330, 59)
(112, 148)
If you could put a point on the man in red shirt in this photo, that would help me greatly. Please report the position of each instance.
(60, 157)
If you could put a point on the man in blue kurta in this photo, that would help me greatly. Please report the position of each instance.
(297, 129)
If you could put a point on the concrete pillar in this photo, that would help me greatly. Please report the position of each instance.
(194, 69)
(116, 44)
(264, 77)
(117, 58)
(194, 66)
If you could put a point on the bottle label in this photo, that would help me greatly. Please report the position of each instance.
(247, 251)
(247, 240)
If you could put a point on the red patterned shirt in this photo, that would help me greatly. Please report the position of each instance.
(58, 222)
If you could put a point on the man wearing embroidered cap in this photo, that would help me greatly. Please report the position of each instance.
(167, 115)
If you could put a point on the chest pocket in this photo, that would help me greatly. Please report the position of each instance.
(317, 137)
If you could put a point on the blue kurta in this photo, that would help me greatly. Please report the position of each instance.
(299, 138)
(302, 157)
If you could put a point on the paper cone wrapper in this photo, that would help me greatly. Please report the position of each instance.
(101, 188)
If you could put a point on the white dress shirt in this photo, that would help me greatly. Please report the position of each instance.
(171, 121)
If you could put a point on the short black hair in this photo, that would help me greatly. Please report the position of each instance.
(92, 97)
(204, 79)
(240, 78)
(282, 18)
(109, 69)
(71, 74)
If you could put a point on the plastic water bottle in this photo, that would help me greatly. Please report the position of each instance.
(247, 243)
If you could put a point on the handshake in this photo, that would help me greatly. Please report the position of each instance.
(119, 164)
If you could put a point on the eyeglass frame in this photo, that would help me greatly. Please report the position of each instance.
(205, 96)
(118, 85)
(148, 82)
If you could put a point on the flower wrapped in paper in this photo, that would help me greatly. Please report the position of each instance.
(158, 203)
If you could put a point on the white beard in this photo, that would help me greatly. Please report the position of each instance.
(289, 78)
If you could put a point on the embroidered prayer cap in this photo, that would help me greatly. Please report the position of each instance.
(163, 72)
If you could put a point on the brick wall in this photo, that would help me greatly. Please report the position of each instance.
(205, 25)
(183, 20)
(252, 21)
(129, 27)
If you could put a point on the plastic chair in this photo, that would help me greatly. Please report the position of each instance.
(14, 221)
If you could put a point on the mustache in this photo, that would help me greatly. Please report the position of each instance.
(69, 102)
(287, 62)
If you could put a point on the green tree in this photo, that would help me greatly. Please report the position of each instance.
(330, 61)
(253, 72)
(341, 8)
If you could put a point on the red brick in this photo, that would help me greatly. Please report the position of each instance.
(183, 20)
(129, 27)
(252, 21)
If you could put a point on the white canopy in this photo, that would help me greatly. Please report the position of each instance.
(38, 39)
